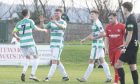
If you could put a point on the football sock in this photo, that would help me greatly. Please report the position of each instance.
(116, 76)
(62, 70)
(106, 70)
(52, 70)
(34, 66)
(88, 71)
(25, 66)
(135, 76)
(121, 75)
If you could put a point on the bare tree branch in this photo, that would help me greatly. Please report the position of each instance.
(8, 9)
(43, 7)
(87, 5)
(120, 4)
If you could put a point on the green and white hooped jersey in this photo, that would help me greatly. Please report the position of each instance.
(25, 27)
(96, 29)
(57, 34)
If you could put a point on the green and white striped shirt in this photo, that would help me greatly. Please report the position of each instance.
(25, 27)
(97, 28)
(57, 34)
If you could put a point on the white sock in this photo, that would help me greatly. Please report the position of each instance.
(25, 66)
(52, 70)
(62, 70)
(35, 63)
(88, 71)
(106, 70)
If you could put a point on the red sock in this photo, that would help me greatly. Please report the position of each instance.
(116, 76)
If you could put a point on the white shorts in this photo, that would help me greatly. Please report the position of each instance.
(97, 53)
(29, 51)
(56, 53)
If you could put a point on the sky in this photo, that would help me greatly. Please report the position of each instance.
(77, 3)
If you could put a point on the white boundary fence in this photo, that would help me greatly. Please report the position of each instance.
(11, 55)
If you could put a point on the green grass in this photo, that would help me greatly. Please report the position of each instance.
(75, 59)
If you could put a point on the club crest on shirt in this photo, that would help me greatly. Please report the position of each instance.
(118, 30)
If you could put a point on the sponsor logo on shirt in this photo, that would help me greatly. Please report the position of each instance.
(114, 35)
(109, 30)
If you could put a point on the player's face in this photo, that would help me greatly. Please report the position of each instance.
(112, 19)
(125, 11)
(57, 15)
(93, 16)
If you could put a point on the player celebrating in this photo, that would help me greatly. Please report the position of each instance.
(57, 27)
(28, 47)
(115, 33)
(97, 51)
(130, 47)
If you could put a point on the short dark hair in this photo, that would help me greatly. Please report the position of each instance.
(128, 6)
(59, 10)
(95, 11)
(112, 14)
(25, 12)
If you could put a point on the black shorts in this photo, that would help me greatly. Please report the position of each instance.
(130, 56)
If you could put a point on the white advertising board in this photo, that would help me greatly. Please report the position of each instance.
(12, 55)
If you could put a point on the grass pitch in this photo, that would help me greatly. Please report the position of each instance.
(75, 60)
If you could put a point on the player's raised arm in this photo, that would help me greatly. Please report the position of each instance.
(37, 28)
(62, 26)
(40, 29)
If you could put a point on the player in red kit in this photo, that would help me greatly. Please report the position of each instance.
(115, 33)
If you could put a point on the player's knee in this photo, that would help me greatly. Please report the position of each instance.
(102, 60)
(55, 61)
(91, 61)
(118, 64)
(133, 67)
(35, 57)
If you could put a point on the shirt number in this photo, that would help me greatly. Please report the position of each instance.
(23, 27)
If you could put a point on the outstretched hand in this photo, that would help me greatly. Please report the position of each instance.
(82, 41)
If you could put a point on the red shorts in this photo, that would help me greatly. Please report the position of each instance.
(114, 55)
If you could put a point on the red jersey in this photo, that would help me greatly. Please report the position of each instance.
(115, 34)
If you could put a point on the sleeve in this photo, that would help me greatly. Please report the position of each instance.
(32, 25)
(130, 25)
(48, 26)
(15, 29)
(101, 29)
